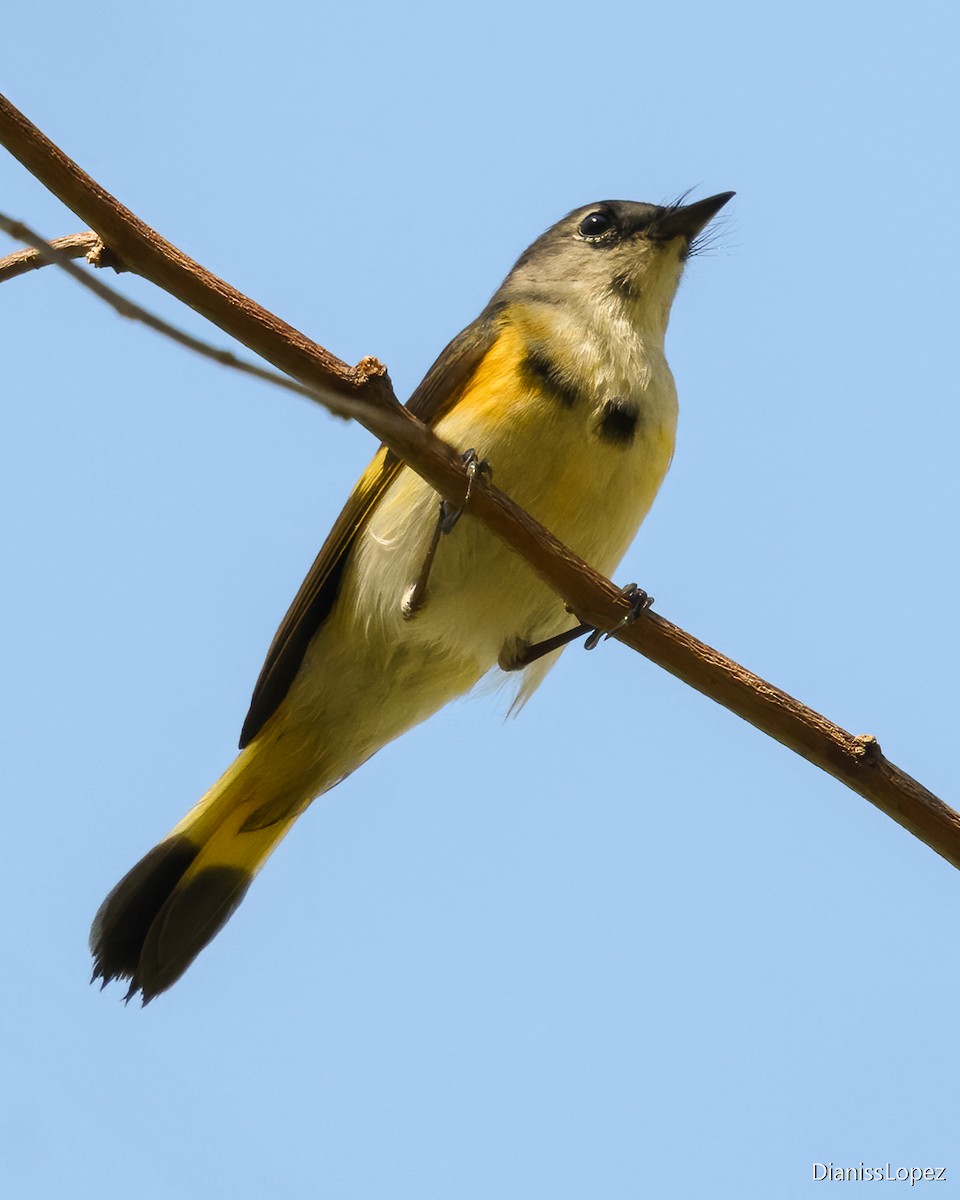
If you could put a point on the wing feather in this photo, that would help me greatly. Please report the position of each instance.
(442, 386)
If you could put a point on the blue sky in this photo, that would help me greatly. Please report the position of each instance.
(623, 945)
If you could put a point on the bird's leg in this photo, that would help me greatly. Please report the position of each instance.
(524, 654)
(416, 594)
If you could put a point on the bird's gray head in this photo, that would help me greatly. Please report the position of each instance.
(622, 247)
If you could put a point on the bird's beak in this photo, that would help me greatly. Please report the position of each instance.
(687, 222)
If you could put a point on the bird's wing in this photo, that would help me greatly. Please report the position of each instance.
(440, 389)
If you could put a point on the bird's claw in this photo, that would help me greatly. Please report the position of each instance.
(639, 603)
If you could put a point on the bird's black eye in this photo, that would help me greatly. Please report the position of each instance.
(596, 224)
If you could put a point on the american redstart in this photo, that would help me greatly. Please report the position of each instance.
(562, 388)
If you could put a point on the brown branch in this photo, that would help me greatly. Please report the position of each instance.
(74, 245)
(855, 760)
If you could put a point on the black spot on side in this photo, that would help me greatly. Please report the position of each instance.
(124, 918)
(191, 918)
(543, 372)
(618, 421)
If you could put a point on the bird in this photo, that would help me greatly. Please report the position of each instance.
(561, 389)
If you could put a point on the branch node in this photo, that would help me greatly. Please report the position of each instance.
(102, 256)
(368, 368)
(868, 748)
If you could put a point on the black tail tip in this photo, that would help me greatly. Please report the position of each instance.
(124, 919)
(154, 923)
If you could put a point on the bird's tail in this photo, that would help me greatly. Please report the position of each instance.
(176, 899)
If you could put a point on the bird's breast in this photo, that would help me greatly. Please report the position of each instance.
(579, 437)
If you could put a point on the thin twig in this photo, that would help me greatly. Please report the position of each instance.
(50, 252)
(75, 245)
(855, 760)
